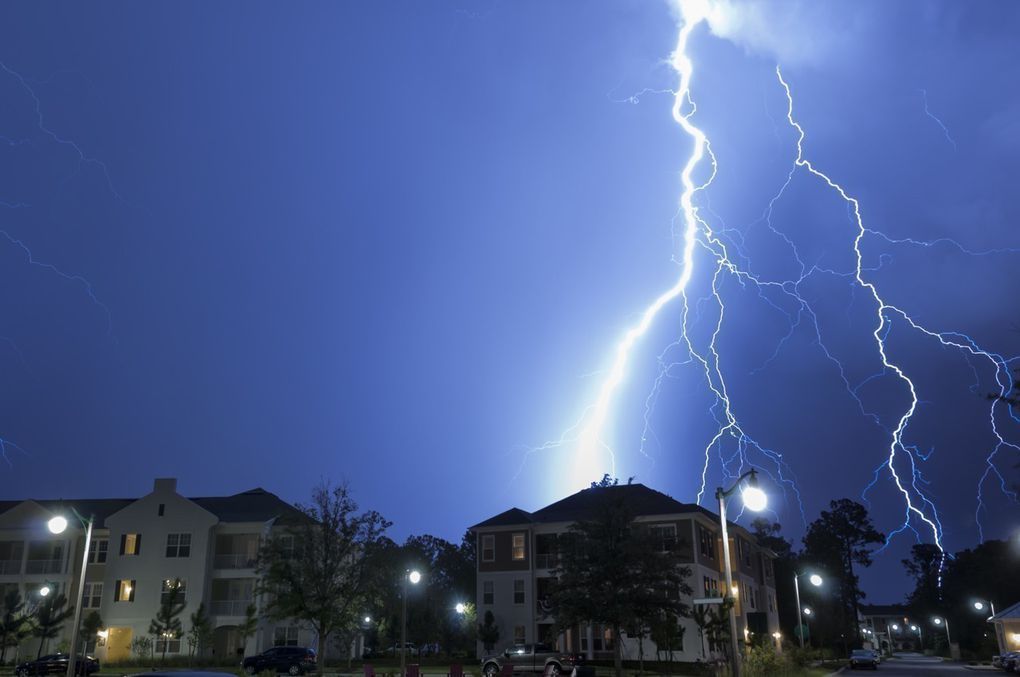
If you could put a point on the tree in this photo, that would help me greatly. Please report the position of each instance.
(488, 632)
(200, 634)
(49, 618)
(325, 570)
(166, 625)
(837, 540)
(616, 572)
(701, 617)
(141, 646)
(15, 624)
(90, 625)
(249, 626)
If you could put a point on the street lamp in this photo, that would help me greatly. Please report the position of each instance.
(980, 606)
(412, 576)
(460, 608)
(815, 580)
(939, 621)
(57, 525)
(754, 500)
(44, 591)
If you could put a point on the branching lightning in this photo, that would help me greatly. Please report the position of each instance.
(731, 446)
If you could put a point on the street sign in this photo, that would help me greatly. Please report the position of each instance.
(707, 600)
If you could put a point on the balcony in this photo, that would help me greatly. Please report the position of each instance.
(43, 566)
(11, 566)
(229, 607)
(234, 561)
(546, 560)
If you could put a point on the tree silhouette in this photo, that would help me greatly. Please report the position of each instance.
(15, 623)
(49, 618)
(166, 625)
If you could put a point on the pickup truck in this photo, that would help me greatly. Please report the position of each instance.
(535, 658)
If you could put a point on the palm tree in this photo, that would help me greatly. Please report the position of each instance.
(49, 619)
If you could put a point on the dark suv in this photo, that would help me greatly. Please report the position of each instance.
(56, 664)
(294, 660)
(538, 658)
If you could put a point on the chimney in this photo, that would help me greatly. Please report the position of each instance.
(165, 485)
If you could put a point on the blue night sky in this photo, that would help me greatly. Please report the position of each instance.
(261, 244)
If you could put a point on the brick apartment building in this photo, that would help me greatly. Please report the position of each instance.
(517, 553)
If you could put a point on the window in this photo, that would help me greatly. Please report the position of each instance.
(286, 636)
(173, 645)
(98, 550)
(92, 595)
(772, 603)
(664, 535)
(178, 545)
(706, 540)
(161, 510)
(487, 592)
(124, 591)
(518, 591)
(711, 587)
(519, 634)
(130, 544)
(169, 586)
(745, 552)
(488, 548)
(518, 551)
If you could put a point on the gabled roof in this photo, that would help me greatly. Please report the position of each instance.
(254, 505)
(642, 500)
(100, 508)
(1010, 613)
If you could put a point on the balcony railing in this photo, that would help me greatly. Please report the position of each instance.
(546, 560)
(234, 561)
(232, 607)
(10, 566)
(43, 566)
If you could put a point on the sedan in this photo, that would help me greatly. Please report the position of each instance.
(863, 658)
(56, 664)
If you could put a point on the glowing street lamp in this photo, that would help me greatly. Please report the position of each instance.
(940, 621)
(412, 576)
(755, 500)
(816, 581)
(460, 608)
(58, 525)
(980, 606)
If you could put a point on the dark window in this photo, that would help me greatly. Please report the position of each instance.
(98, 550)
(488, 548)
(487, 592)
(162, 509)
(178, 545)
(706, 540)
(519, 591)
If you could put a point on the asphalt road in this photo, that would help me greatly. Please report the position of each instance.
(919, 665)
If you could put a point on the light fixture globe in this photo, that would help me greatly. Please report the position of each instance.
(755, 499)
(937, 621)
(807, 611)
(368, 619)
(44, 590)
(460, 607)
(414, 576)
(815, 579)
(979, 605)
(57, 524)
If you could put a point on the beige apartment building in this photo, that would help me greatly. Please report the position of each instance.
(139, 547)
(517, 554)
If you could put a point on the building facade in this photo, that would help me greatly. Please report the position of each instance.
(140, 548)
(517, 555)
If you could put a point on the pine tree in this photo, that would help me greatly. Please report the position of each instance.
(166, 625)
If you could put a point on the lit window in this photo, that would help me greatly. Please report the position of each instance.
(130, 544)
(518, 547)
(487, 592)
(488, 548)
(124, 591)
(178, 545)
(518, 591)
(519, 637)
(172, 644)
(98, 550)
(92, 595)
(169, 588)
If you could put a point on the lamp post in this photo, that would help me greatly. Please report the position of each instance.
(917, 629)
(58, 525)
(755, 500)
(890, 629)
(940, 621)
(815, 580)
(413, 576)
(807, 624)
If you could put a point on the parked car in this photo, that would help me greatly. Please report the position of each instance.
(56, 664)
(863, 658)
(878, 656)
(1009, 661)
(540, 658)
(294, 660)
(409, 648)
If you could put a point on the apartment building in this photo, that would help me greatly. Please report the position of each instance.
(140, 547)
(517, 554)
